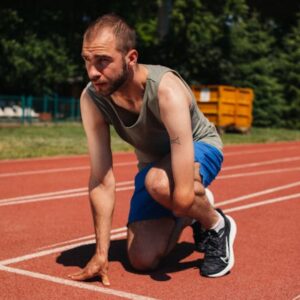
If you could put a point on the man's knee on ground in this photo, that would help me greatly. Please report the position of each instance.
(157, 184)
(143, 261)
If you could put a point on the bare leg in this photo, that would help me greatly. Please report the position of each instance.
(147, 242)
(151, 240)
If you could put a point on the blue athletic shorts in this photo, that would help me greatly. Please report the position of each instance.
(144, 207)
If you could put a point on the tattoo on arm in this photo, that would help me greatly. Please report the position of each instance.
(175, 141)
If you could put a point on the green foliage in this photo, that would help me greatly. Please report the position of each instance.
(252, 63)
(208, 42)
(289, 74)
(31, 64)
(192, 43)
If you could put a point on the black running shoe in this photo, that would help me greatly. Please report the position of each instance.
(219, 256)
(199, 236)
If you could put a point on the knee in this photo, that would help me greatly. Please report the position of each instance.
(157, 184)
(143, 262)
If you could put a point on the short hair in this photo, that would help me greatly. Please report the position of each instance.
(124, 34)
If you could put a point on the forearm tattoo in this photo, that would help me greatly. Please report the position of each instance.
(175, 141)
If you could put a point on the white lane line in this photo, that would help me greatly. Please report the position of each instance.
(34, 198)
(50, 198)
(260, 151)
(8, 203)
(218, 204)
(60, 157)
(4, 263)
(268, 162)
(81, 285)
(279, 147)
(80, 239)
(124, 234)
(265, 202)
(83, 189)
(121, 164)
(121, 186)
(70, 169)
(273, 171)
(264, 192)
(42, 195)
(46, 171)
(46, 158)
(55, 250)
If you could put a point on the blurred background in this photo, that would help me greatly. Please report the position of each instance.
(241, 43)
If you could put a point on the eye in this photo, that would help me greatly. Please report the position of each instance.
(85, 58)
(103, 61)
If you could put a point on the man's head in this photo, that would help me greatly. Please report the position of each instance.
(109, 53)
(125, 36)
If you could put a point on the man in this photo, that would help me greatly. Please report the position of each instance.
(178, 150)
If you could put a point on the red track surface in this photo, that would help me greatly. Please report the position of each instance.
(47, 232)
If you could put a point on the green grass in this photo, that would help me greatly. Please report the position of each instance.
(48, 140)
(69, 139)
(262, 135)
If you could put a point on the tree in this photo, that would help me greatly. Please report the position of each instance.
(289, 75)
(31, 65)
(252, 62)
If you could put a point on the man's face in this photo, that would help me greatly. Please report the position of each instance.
(106, 66)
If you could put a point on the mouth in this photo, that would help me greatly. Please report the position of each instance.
(99, 85)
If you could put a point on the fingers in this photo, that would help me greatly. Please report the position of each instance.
(84, 275)
(105, 280)
(104, 276)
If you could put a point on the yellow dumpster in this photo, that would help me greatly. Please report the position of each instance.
(244, 107)
(227, 107)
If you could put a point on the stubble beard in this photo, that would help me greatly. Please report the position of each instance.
(116, 83)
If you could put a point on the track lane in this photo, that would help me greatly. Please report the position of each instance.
(176, 273)
(182, 265)
(231, 153)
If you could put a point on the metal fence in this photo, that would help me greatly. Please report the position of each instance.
(28, 109)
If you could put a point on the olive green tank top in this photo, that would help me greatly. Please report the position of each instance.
(148, 134)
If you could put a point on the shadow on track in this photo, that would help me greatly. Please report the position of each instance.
(80, 256)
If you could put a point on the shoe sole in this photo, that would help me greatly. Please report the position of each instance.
(232, 235)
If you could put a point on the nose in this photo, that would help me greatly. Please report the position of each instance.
(94, 73)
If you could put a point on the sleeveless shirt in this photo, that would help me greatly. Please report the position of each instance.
(148, 134)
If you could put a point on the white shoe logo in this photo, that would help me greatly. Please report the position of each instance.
(226, 258)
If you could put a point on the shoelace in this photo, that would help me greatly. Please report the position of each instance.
(211, 243)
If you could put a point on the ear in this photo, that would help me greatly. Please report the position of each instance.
(132, 57)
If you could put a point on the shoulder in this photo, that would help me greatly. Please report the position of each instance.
(89, 110)
(86, 94)
(172, 89)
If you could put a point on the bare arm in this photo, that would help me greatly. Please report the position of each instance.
(101, 187)
(174, 102)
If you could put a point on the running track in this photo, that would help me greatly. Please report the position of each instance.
(47, 232)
